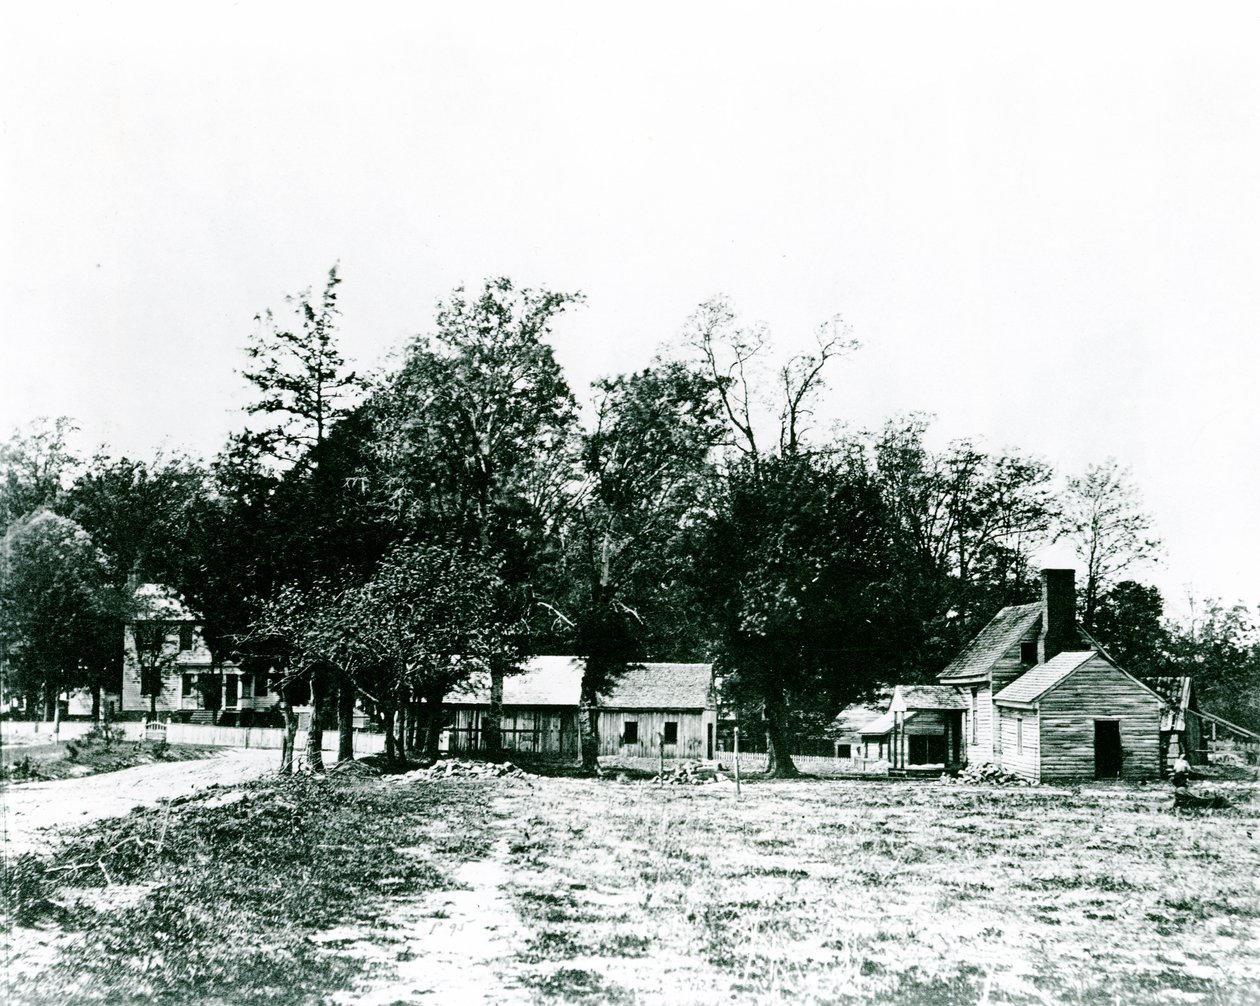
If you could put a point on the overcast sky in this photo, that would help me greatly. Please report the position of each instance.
(1041, 221)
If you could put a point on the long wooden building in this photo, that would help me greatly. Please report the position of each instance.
(653, 708)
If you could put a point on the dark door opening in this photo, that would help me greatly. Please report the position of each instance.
(231, 682)
(710, 748)
(1107, 753)
(955, 729)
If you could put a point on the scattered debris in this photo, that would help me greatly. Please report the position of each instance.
(690, 773)
(988, 774)
(455, 768)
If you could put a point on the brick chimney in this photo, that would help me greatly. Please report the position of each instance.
(1058, 614)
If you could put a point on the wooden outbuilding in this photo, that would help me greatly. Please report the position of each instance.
(1078, 716)
(652, 706)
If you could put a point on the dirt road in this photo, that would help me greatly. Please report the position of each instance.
(32, 812)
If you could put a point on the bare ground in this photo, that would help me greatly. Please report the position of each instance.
(33, 813)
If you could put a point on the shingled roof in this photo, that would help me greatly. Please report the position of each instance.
(557, 681)
(1043, 677)
(661, 686)
(1004, 630)
(911, 697)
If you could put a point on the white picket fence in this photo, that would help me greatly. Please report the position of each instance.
(66, 730)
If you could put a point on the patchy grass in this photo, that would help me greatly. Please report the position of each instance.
(90, 754)
(809, 891)
(229, 897)
(847, 892)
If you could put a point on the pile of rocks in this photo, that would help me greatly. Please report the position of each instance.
(456, 768)
(689, 773)
(988, 774)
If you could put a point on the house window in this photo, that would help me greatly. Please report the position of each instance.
(260, 685)
(671, 732)
(844, 751)
(189, 681)
(245, 680)
(975, 706)
(630, 732)
(185, 637)
(1019, 735)
(1027, 653)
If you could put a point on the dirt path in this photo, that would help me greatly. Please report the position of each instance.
(30, 810)
(451, 946)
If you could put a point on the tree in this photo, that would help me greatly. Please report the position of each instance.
(472, 437)
(641, 467)
(35, 466)
(1219, 646)
(968, 520)
(139, 513)
(795, 560)
(769, 408)
(58, 617)
(302, 380)
(1128, 621)
(1105, 521)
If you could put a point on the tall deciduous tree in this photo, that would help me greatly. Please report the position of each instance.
(1129, 622)
(796, 561)
(969, 520)
(769, 410)
(1104, 519)
(1219, 646)
(642, 465)
(36, 465)
(472, 437)
(58, 618)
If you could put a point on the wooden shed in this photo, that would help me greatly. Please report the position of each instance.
(540, 710)
(1180, 726)
(660, 705)
(1078, 716)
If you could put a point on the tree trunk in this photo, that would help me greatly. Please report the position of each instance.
(433, 740)
(391, 753)
(289, 741)
(345, 721)
(315, 734)
(96, 704)
(153, 705)
(588, 722)
(492, 725)
(403, 721)
(56, 714)
(780, 764)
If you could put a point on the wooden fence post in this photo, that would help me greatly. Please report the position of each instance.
(737, 761)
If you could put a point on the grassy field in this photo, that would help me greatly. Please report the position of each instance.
(42, 760)
(361, 889)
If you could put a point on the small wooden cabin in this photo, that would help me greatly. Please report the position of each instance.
(655, 707)
(1078, 716)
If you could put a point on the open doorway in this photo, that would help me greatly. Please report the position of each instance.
(1107, 753)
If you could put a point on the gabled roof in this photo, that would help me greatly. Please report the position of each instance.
(661, 686)
(557, 681)
(1031, 686)
(911, 697)
(1004, 630)
(851, 720)
(878, 727)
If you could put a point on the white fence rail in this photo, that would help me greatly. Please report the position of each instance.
(66, 730)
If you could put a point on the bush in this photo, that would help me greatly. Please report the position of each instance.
(25, 890)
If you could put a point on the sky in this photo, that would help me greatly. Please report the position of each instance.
(1042, 221)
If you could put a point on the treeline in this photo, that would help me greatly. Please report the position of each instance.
(379, 540)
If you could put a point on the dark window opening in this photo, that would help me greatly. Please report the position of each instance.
(630, 732)
(189, 681)
(1028, 653)
(260, 685)
(844, 751)
(185, 637)
(927, 749)
(671, 732)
